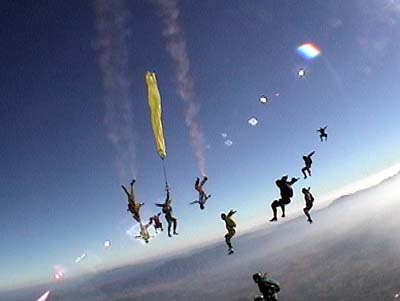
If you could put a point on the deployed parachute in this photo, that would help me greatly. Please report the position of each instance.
(154, 100)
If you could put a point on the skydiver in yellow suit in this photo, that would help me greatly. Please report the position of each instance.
(133, 205)
(230, 226)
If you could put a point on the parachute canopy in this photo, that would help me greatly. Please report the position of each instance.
(154, 100)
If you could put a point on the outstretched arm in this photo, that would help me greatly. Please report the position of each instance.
(325, 127)
(310, 154)
(293, 180)
(232, 212)
(159, 205)
(167, 198)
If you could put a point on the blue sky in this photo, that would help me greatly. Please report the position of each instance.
(60, 183)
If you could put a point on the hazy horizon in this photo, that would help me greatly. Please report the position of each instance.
(293, 214)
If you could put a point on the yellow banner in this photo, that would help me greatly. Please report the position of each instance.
(154, 100)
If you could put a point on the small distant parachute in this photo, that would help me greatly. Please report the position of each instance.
(263, 99)
(154, 100)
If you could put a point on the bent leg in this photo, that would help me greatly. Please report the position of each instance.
(282, 203)
(228, 240)
(303, 170)
(274, 207)
(196, 184)
(203, 181)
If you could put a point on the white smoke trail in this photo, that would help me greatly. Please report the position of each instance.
(176, 47)
(112, 33)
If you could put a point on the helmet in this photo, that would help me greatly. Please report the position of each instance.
(202, 206)
(257, 277)
(223, 216)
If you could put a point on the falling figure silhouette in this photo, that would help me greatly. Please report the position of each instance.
(144, 232)
(309, 198)
(286, 192)
(308, 162)
(268, 287)
(323, 134)
(203, 197)
(133, 205)
(157, 223)
(167, 210)
(230, 226)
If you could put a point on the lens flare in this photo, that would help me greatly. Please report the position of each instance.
(228, 142)
(263, 99)
(80, 258)
(308, 51)
(44, 296)
(253, 121)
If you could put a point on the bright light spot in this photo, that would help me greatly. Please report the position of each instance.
(228, 142)
(253, 121)
(308, 51)
(397, 295)
(277, 94)
(59, 276)
(107, 244)
(224, 135)
(301, 73)
(44, 296)
(263, 99)
(59, 272)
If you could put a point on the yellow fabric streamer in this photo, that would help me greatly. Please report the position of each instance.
(154, 100)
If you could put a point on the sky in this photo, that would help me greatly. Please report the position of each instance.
(75, 121)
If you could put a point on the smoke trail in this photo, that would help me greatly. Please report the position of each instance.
(176, 47)
(113, 33)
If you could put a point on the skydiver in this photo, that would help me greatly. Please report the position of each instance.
(203, 197)
(308, 162)
(157, 223)
(268, 287)
(309, 198)
(286, 192)
(167, 210)
(144, 232)
(323, 134)
(230, 226)
(133, 205)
